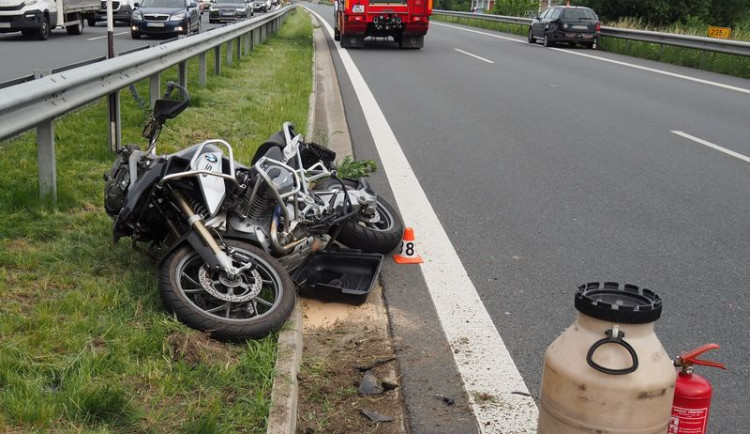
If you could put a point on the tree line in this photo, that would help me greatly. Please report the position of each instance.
(666, 12)
(728, 13)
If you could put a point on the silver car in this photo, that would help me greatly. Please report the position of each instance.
(261, 5)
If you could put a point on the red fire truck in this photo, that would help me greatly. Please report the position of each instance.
(406, 21)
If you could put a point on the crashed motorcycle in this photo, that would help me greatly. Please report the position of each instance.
(226, 236)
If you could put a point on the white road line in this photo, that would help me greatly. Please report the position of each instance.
(713, 146)
(481, 356)
(473, 55)
(102, 37)
(616, 62)
(432, 23)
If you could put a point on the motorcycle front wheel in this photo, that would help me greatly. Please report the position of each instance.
(251, 305)
(381, 234)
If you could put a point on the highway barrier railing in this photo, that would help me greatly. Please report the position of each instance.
(738, 48)
(37, 103)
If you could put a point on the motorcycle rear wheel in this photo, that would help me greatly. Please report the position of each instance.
(251, 306)
(381, 235)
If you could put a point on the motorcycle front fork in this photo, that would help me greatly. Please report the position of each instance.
(214, 255)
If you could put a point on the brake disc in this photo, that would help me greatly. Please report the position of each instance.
(248, 292)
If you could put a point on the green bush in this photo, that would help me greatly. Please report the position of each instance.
(514, 8)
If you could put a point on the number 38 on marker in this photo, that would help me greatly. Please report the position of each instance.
(407, 248)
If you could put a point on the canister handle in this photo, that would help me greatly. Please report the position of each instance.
(614, 336)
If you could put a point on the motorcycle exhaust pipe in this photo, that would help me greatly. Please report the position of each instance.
(196, 222)
(278, 247)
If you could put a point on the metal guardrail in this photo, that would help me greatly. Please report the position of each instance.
(738, 48)
(36, 103)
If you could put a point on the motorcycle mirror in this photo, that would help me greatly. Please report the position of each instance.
(168, 108)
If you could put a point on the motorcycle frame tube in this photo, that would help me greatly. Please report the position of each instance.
(277, 195)
(189, 173)
(300, 177)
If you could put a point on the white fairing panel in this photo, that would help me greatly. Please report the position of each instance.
(213, 187)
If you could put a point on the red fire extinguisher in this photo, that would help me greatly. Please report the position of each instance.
(692, 393)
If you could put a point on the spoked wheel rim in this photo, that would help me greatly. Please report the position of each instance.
(250, 296)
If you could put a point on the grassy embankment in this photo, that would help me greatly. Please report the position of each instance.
(85, 345)
(737, 66)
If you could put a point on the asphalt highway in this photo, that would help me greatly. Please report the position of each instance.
(22, 55)
(551, 168)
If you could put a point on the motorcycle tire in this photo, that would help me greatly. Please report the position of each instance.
(251, 306)
(382, 236)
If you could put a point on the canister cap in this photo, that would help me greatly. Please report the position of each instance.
(611, 301)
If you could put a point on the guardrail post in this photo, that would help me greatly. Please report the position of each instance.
(202, 69)
(230, 55)
(252, 40)
(154, 88)
(217, 60)
(182, 68)
(247, 43)
(114, 132)
(45, 154)
(239, 47)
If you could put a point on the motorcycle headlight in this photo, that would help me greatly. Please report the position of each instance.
(178, 17)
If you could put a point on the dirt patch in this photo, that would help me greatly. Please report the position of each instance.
(196, 348)
(341, 345)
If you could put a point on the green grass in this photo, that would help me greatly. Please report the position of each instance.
(86, 345)
(355, 169)
(738, 66)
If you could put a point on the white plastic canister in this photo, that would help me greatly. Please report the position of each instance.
(608, 373)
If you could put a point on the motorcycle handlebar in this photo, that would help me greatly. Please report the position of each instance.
(171, 86)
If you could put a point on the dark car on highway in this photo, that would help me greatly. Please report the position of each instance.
(165, 17)
(222, 11)
(569, 24)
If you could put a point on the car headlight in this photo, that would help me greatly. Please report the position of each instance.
(136, 15)
(211, 8)
(29, 2)
(240, 10)
(178, 17)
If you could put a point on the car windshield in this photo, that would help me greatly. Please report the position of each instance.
(163, 4)
(228, 2)
(579, 14)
